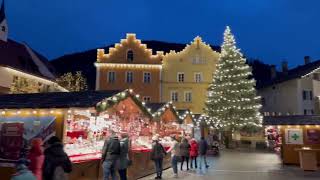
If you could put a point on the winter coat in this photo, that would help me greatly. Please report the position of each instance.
(203, 147)
(124, 151)
(55, 159)
(23, 173)
(175, 149)
(184, 148)
(36, 158)
(194, 148)
(111, 149)
(158, 151)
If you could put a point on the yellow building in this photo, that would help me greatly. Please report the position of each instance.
(187, 74)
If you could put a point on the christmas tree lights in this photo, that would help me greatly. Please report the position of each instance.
(232, 103)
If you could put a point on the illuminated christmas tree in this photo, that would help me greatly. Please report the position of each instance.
(72, 82)
(232, 103)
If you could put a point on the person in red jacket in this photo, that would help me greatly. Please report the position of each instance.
(36, 158)
(194, 152)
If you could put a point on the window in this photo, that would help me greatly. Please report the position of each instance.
(316, 76)
(263, 101)
(180, 77)
(198, 77)
(308, 112)
(3, 29)
(196, 59)
(174, 96)
(130, 56)
(307, 95)
(146, 99)
(305, 112)
(187, 96)
(129, 77)
(111, 76)
(146, 77)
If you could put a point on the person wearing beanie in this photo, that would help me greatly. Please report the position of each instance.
(23, 173)
(36, 158)
(56, 164)
(157, 154)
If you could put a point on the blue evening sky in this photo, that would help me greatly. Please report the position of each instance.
(271, 30)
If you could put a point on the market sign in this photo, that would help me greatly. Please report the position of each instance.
(294, 136)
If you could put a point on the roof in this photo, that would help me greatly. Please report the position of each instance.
(54, 99)
(291, 74)
(23, 58)
(2, 12)
(154, 107)
(292, 120)
(182, 111)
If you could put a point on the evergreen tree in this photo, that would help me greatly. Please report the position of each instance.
(232, 103)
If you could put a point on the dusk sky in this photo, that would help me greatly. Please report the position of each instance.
(270, 30)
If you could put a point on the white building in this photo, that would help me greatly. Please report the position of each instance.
(291, 91)
(19, 61)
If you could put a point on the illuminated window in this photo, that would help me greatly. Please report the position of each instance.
(174, 96)
(146, 99)
(146, 77)
(180, 77)
(188, 96)
(198, 77)
(111, 76)
(130, 56)
(129, 77)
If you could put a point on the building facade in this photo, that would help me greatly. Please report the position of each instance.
(187, 74)
(130, 65)
(292, 92)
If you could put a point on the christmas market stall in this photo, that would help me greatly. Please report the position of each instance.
(83, 120)
(294, 134)
(187, 122)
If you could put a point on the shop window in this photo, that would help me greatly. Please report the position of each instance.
(174, 96)
(146, 77)
(130, 56)
(129, 77)
(180, 77)
(188, 96)
(198, 77)
(111, 76)
(146, 99)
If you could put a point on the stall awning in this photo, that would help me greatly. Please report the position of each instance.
(54, 99)
(292, 120)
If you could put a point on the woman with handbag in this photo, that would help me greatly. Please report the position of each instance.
(124, 161)
(175, 155)
(157, 154)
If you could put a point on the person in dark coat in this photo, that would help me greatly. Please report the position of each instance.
(124, 157)
(36, 158)
(23, 173)
(157, 154)
(194, 152)
(184, 150)
(203, 148)
(110, 156)
(56, 162)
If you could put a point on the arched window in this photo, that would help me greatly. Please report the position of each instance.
(130, 56)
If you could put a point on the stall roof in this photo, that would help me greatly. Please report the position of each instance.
(54, 99)
(154, 107)
(292, 120)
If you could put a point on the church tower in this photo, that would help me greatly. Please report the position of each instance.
(3, 24)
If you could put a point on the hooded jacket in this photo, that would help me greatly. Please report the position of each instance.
(194, 148)
(55, 158)
(184, 148)
(111, 149)
(36, 158)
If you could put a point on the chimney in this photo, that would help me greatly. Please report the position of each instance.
(307, 60)
(285, 66)
(273, 72)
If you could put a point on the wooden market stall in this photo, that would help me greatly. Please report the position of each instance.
(83, 121)
(296, 132)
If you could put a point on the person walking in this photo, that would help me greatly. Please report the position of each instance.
(175, 155)
(124, 157)
(184, 148)
(36, 158)
(22, 171)
(157, 154)
(193, 152)
(56, 165)
(203, 148)
(110, 156)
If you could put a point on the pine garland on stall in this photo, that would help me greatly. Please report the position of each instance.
(232, 103)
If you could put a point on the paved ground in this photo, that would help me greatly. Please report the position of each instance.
(244, 165)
